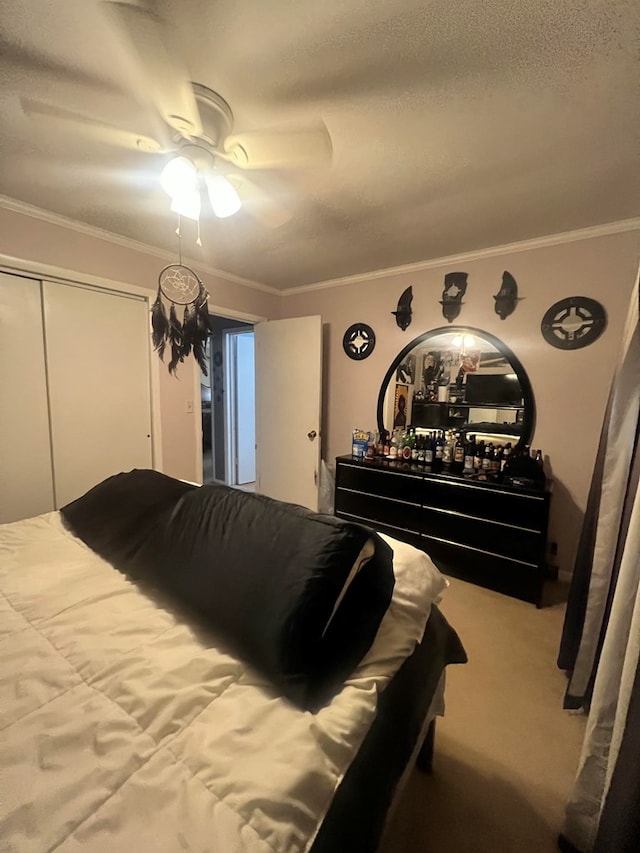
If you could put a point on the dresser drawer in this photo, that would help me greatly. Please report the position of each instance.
(498, 573)
(492, 503)
(373, 510)
(385, 483)
(492, 537)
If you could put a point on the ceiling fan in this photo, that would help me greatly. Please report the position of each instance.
(197, 128)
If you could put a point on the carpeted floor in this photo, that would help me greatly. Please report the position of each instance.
(506, 751)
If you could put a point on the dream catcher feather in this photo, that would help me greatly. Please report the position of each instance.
(180, 287)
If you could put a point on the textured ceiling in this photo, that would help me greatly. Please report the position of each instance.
(455, 126)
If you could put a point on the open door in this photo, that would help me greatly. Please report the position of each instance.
(288, 356)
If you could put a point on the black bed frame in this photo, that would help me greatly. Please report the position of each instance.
(356, 818)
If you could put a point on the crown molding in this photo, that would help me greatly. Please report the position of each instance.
(506, 249)
(49, 216)
(588, 233)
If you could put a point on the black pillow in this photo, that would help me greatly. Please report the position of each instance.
(118, 517)
(266, 575)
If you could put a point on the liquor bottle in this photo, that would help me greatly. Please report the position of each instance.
(539, 458)
(429, 449)
(458, 455)
(498, 454)
(506, 455)
(488, 455)
(469, 453)
(394, 446)
(447, 450)
(413, 444)
(439, 447)
(478, 456)
(420, 445)
(406, 446)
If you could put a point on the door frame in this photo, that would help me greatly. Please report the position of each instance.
(226, 314)
(231, 401)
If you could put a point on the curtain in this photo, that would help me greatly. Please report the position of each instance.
(601, 636)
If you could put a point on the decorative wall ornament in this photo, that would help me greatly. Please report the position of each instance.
(455, 287)
(403, 311)
(179, 285)
(507, 297)
(358, 341)
(574, 322)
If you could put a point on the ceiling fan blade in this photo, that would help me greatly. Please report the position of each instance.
(56, 118)
(259, 204)
(25, 71)
(164, 72)
(279, 149)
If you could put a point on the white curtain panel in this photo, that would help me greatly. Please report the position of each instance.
(621, 647)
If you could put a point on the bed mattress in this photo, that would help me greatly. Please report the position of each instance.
(126, 726)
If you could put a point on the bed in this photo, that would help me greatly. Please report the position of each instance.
(154, 695)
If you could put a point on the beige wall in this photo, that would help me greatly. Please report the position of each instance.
(36, 241)
(570, 388)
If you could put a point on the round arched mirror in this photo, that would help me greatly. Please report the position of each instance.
(461, 378)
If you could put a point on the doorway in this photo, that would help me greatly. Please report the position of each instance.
(228, 404)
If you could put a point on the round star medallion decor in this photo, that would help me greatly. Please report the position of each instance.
(358, 341)
(574, 322)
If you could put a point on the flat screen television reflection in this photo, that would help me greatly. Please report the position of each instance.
(493, 389)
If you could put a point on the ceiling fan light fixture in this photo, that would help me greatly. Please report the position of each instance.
(224, 199)
(187, 204)
(179, 177)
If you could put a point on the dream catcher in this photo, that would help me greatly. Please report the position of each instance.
(180, 286)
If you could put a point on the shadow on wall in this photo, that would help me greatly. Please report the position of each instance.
(565, 525)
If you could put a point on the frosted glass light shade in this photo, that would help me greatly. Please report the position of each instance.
(187, 204)
(225, 201)
(179, 177)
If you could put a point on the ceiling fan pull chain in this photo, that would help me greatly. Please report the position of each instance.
(199, 241)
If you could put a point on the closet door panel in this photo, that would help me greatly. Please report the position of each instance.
(97, 347)
(26, 487)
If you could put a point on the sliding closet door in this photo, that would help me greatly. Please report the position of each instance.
(26, 487)
(97, 348)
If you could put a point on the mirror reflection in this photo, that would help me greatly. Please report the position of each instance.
(458, 378)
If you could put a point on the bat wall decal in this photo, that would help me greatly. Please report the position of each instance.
(507, 297)
(403, 311)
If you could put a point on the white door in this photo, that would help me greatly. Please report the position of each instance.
(288, 392)
(26, 482)
(97, 348)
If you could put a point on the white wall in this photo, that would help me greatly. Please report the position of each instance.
(570, 388)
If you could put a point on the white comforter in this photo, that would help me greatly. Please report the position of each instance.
(122, 729)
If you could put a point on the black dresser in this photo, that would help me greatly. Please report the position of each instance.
(488, 533)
